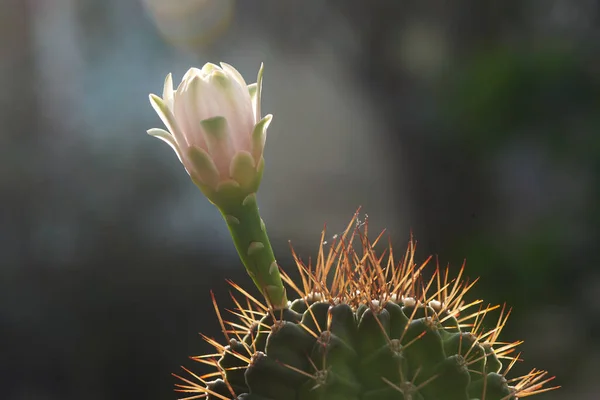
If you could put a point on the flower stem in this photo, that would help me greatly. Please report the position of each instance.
(252, 243)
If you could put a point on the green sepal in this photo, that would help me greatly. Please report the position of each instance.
(164, 113)
(204, 168)
(216, 134)
(253, 90)
(259, 136)
(243, 170)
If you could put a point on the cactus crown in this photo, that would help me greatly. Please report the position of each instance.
(365, 326)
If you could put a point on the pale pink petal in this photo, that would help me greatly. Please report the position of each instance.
(167, 117)
(235, 105)
(168, 91)
(193, 100)
(218, 141)
(181, 114)
(235, 74)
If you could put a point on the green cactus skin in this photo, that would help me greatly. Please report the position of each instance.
(375, 331)
(252, 242)
(236, 200)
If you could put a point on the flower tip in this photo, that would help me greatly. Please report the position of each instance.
(261, 71)
(234, 73)
(209, 67)
(153, 98)
(226, 66)
(191, 73)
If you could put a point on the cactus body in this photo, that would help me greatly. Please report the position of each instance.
(365, 329)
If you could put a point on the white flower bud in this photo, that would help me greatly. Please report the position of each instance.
(215, 127)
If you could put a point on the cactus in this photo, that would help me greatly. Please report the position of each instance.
(366, 327)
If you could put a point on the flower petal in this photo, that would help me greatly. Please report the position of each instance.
(232, 101)
(221, 80)
(190, 74)
(257, 97)
(168, 119)
(188, 110)
(253, 91)
(167, 138)
(208, 68)
(218, 141)
(194, 102)
(168, 91)
(234, 73)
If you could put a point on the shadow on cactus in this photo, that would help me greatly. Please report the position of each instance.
(364, 326)
(378, 329)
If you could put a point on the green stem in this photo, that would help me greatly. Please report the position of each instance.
(252, 243)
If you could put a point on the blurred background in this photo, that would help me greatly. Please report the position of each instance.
(475, 124)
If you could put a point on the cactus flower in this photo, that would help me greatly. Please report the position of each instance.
(215, 127)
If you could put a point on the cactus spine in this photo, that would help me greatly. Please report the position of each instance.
(364, 329)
